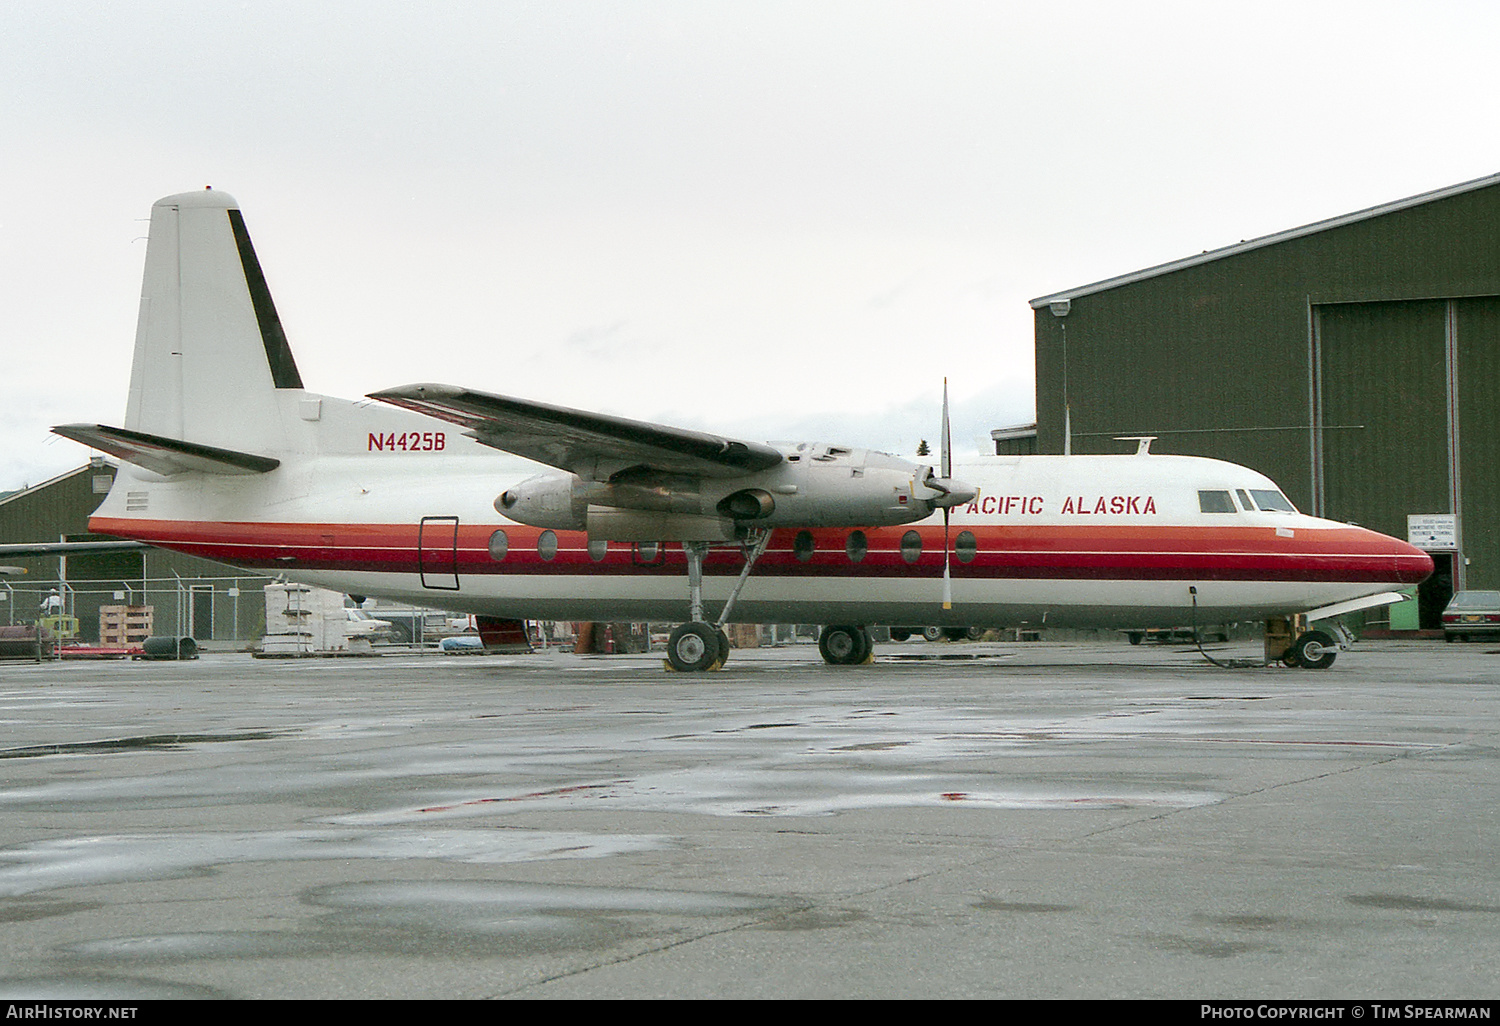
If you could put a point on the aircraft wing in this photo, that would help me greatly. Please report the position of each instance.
(592, 445)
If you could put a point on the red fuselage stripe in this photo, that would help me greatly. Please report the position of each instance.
(1000, 552)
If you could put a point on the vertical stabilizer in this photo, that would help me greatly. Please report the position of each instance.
(210, 353)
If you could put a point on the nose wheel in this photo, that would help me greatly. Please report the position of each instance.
(1313, 650)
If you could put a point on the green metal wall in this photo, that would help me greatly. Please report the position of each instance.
(60, 509)
(1239, 356)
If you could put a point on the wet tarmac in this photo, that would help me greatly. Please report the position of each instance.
(1028, 820)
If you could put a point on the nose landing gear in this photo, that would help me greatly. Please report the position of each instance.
(1313, 650)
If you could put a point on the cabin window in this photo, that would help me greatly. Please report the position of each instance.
(1216, 502)
(802, 546)
(966, 546)
(499, 546)
(1272, 501)
(856, 547)
(598, 549)
(911, 546)
(546, 545)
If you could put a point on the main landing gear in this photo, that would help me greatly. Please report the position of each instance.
(694, 647)
(697, 645)
(846, 646)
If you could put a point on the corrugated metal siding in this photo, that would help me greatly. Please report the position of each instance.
(1215, 358)
(1479, 437)
(42, 513)
(1385, 393)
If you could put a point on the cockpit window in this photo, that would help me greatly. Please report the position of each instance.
(1272, 501)
(1216, 502)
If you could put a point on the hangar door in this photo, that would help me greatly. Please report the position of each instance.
(1405, 419)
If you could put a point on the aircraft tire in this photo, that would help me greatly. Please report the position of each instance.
(1313, 650)
(693, 648)
(723, 646)
(842, 645)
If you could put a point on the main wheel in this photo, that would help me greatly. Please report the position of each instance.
(1314, 650)
(841, 645)
(694, 647)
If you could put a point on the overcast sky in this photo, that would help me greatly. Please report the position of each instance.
(767, 219)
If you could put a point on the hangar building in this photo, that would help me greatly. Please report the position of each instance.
(186, 595)
(1356, 361)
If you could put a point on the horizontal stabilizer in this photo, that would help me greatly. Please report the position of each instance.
(166, 455)
(591, 445)
(16, 550)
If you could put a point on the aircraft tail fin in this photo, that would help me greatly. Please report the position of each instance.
(210, 352)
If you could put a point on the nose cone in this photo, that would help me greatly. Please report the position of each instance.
(959, 492)
(946, 492)
(1413, 566)
(1408, 564)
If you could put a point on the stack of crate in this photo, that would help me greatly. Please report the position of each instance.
(301, 619)
(125, 625)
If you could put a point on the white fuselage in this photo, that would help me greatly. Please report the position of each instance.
(386, 503)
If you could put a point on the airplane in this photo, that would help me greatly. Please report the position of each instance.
(409, 495)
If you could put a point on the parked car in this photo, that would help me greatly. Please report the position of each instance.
(362, 625)
(1472, 614)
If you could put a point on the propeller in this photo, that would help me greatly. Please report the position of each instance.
(947, 466)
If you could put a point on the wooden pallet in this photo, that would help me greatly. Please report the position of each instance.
(125, 625)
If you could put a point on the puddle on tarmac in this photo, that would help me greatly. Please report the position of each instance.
(454, 917)
(1414, 903)
(823, 761)
(147, 742)
(750, 791)
(26, 910)
(78, 862)
(100, 988)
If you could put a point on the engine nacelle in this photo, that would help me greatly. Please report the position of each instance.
(557, 501)
(816, 486)
(832, 486)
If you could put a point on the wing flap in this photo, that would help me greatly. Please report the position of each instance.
(591, 445)
(166, 455)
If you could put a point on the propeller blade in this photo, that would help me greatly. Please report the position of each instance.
(947, 461)
(947, 454)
